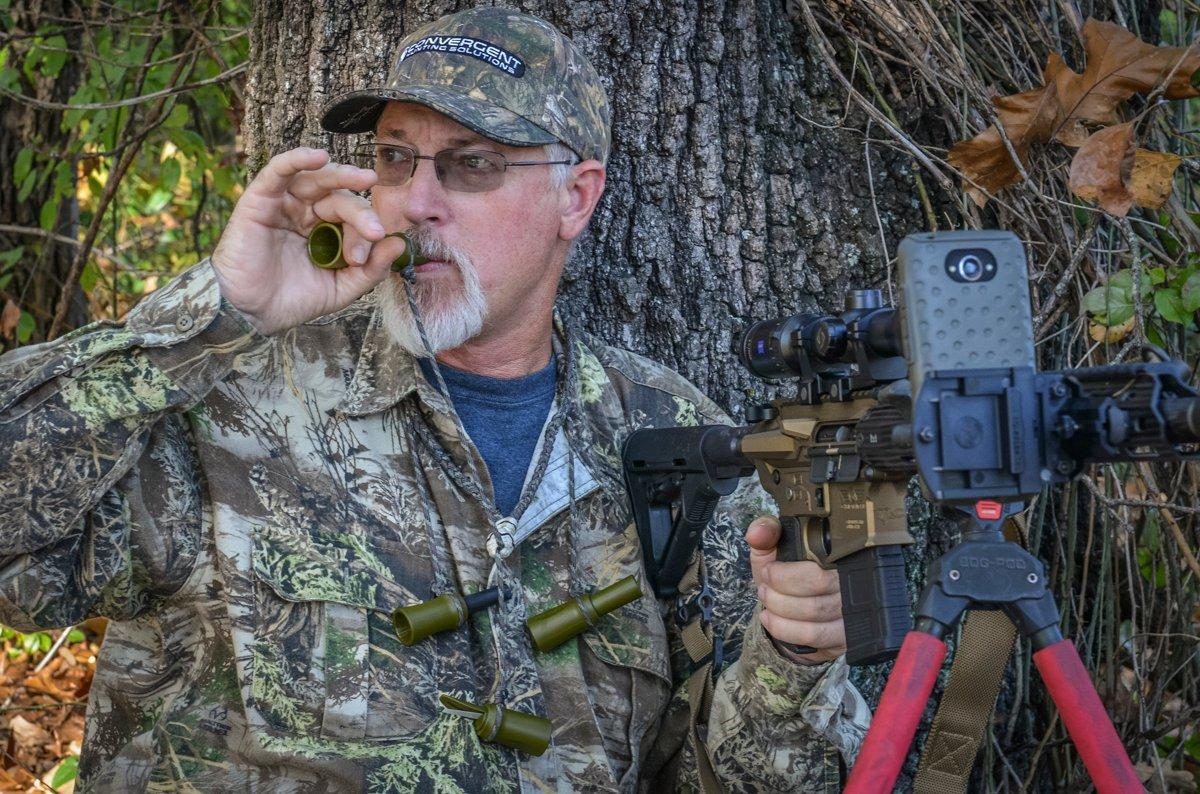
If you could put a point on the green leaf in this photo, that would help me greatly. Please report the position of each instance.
(1154, 573)
(9, 78)
(7, 277)
(158, 200)
(169, 175)
(1170, 306)
(53, 60)
(1106, 300)
(10, 257)
(64, 178)
(1157, 275)
(1190, 294)
(88, 277)
(48, 214)
(189, 142)
(27, 186)
(25, 327)
(66, 771)
(1150, 536)
(178, 117)
(22, 165)
(1119, 315)
(1124, 280)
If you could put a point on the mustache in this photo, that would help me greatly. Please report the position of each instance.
(432, 246)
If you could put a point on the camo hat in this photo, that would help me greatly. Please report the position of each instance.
(509, 76)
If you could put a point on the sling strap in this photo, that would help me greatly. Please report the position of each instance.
(698, 642)
(984, 648)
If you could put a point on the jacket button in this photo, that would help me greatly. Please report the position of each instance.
(185, 322)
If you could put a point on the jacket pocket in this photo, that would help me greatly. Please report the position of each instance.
(625, 660)
(326, 661)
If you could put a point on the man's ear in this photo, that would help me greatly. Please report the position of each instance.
(583, 193)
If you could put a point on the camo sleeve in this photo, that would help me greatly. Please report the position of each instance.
(775, 724)
(99, 485)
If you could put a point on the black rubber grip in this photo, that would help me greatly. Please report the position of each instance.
(874, 604)
(482, 599)
(790, 550)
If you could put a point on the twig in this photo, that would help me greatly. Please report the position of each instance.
(1041, 321)
(137, 100)
(58, 643)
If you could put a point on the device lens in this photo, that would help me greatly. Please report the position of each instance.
(970, 268)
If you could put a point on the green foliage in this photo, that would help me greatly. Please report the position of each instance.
(173, 199)
(1173, 296)
(66, 772)
(34, 643)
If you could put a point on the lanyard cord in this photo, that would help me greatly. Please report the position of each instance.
(502, 528)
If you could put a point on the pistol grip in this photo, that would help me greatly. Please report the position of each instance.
(790, 549)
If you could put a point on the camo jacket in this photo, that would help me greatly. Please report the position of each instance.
(248, 510)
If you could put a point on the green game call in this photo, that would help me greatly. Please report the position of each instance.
(528, 733)
(556, 625)
(446, 612)
(325, 249)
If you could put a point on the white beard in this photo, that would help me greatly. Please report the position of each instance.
(451, 312)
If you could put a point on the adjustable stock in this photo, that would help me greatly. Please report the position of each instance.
(675, 477)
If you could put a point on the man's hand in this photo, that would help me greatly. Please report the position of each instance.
(801, 602)
(262, 261)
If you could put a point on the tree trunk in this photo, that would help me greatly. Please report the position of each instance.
(734, 192)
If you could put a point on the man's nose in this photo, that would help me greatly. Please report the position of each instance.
(425, 203)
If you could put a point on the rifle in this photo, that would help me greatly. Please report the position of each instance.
(829, 457)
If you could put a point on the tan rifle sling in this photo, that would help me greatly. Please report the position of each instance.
(983, 651)
(698, 642)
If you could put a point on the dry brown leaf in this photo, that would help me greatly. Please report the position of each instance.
(16, 778)
(43, 682)
(27, 734)
(1119, 65)
(1110, 333)
(1152, 177)
(1101, 169)
(9, 318)
(1028, 118)
(1172, 780)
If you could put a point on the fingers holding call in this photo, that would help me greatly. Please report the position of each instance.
(361, 227)
(267, 236)
(801, 602)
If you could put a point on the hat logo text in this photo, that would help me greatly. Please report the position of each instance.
(485, 51)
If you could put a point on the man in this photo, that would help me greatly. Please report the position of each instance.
(253, 470)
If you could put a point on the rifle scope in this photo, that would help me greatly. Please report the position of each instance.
(866, 334)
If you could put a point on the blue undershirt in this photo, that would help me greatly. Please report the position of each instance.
(504, 417)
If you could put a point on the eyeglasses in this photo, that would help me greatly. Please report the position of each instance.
(464, 170)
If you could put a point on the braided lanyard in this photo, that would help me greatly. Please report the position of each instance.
(502, 540)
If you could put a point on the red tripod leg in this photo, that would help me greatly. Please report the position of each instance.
(899, 711)
(1090, 728)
